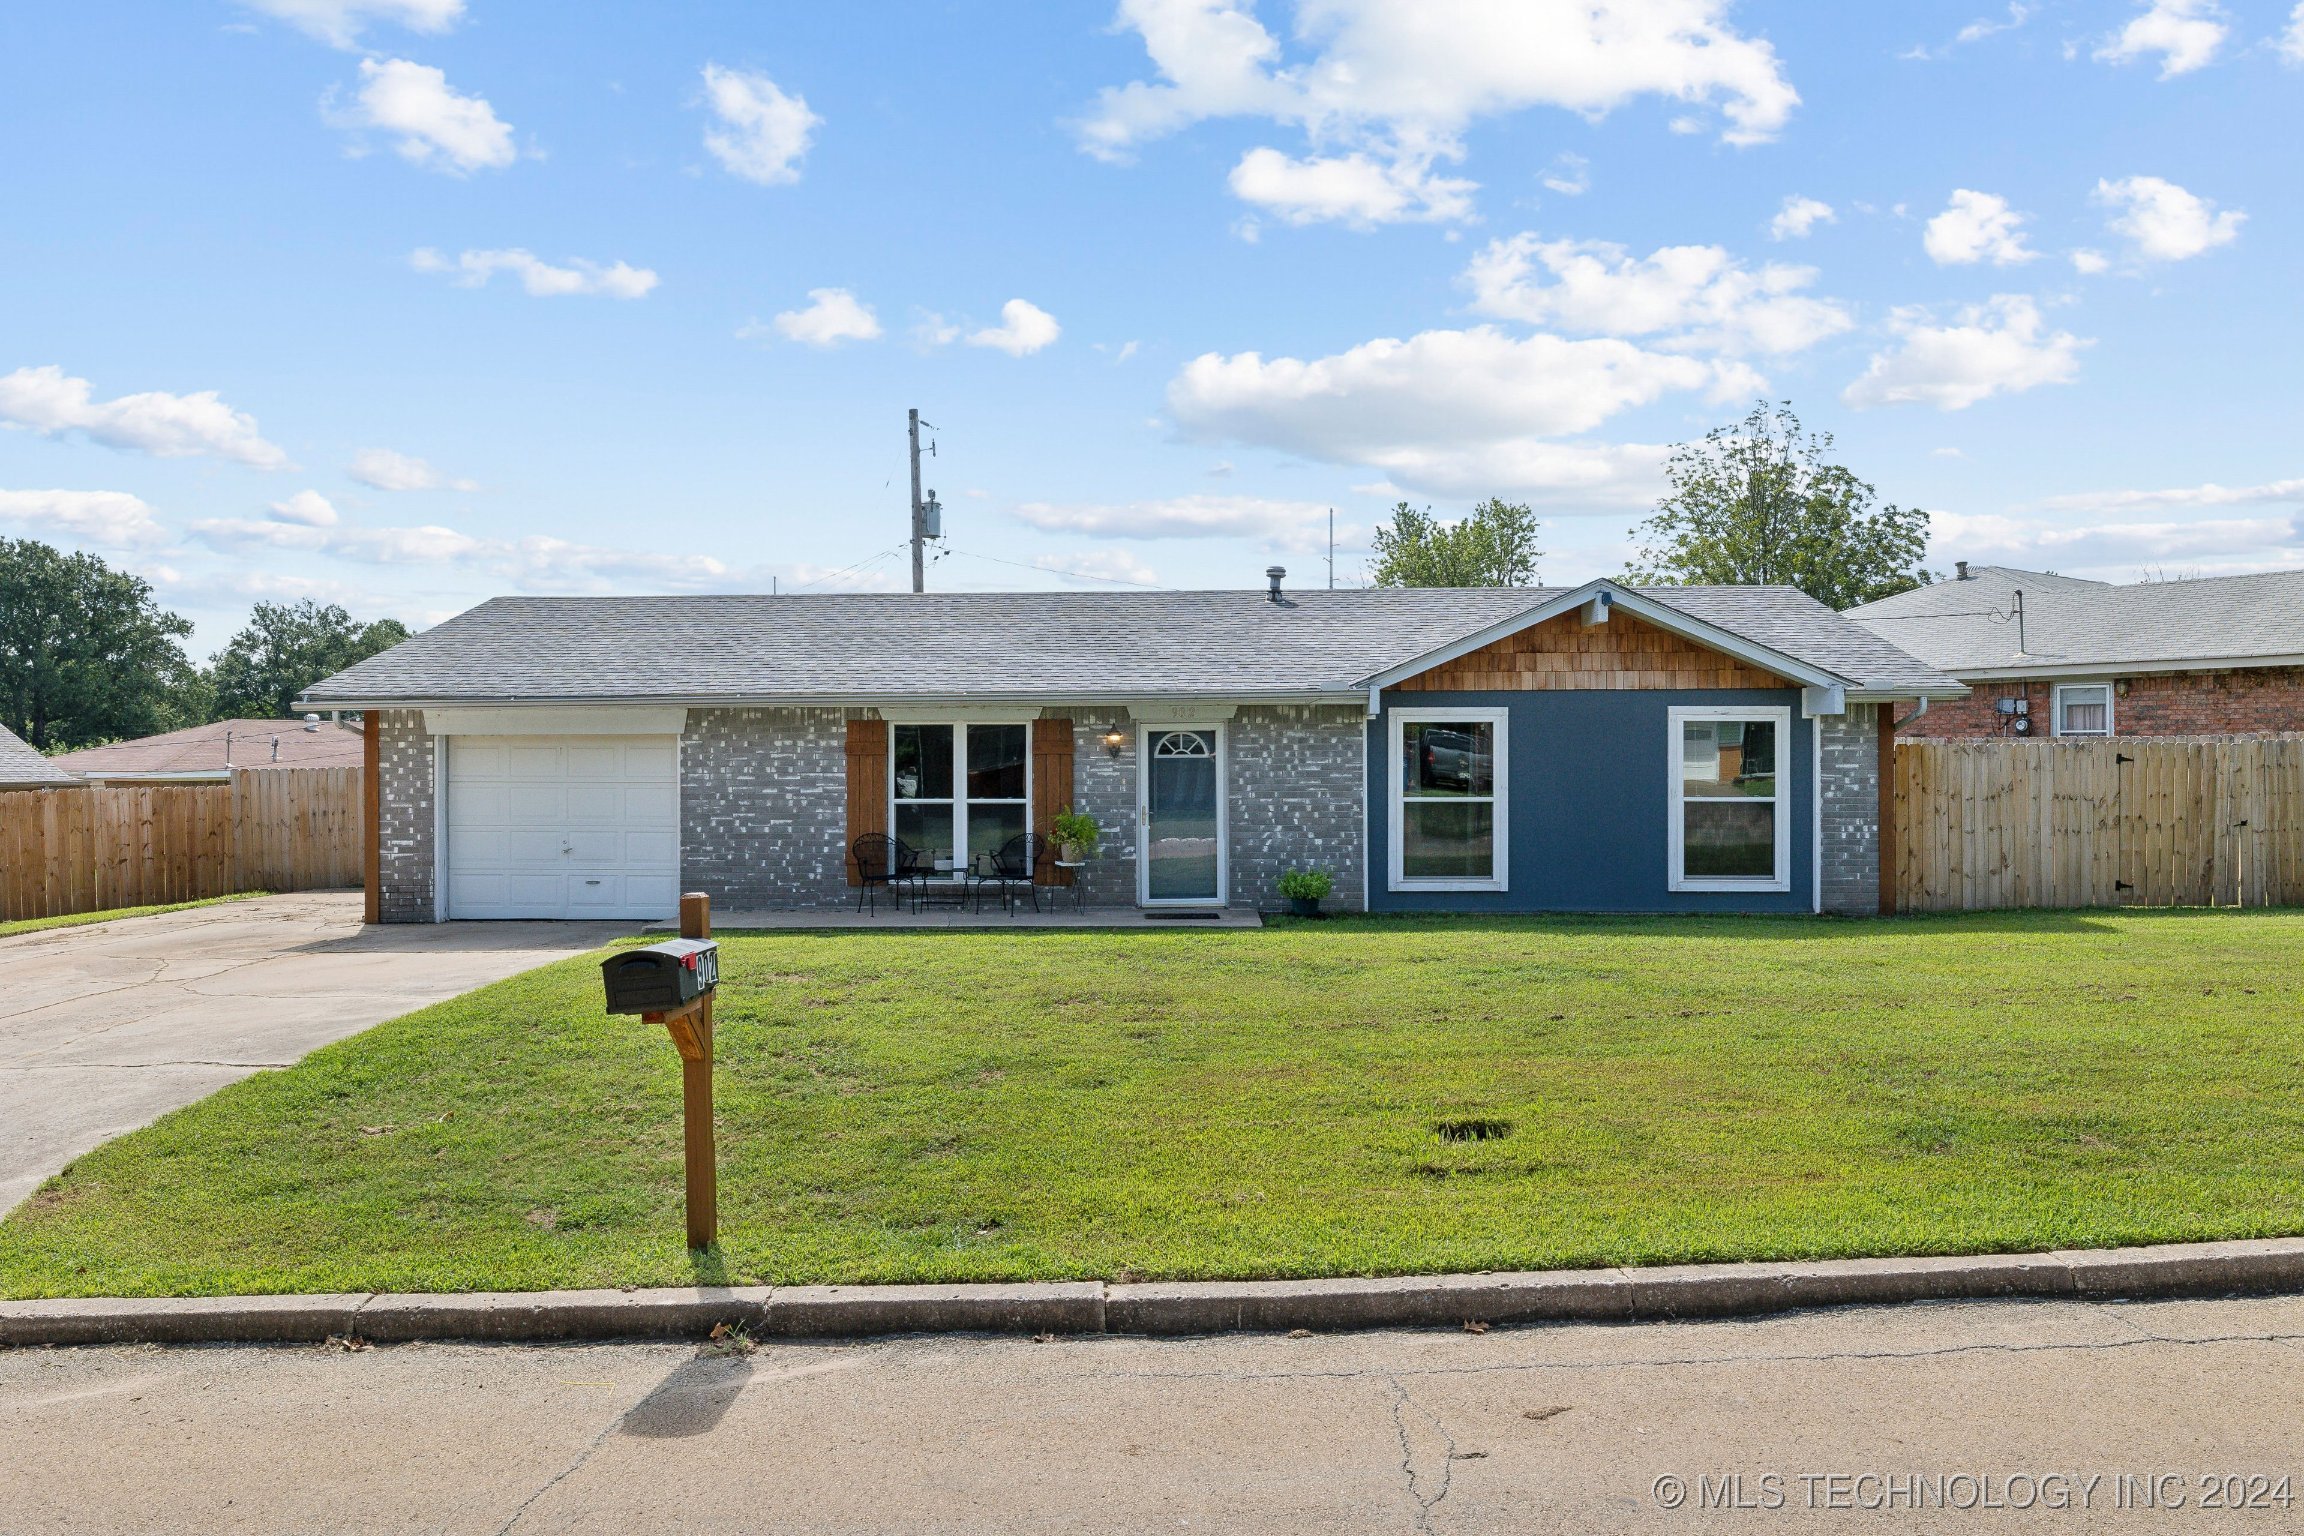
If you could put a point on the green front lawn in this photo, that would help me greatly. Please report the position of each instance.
(1365, 1097)
(112, 914)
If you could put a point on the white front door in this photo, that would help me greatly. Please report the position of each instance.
(563, 826)
(1180, 816)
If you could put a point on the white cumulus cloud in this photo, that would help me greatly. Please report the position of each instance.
(1453, 412)
(385, 470)
(435, 127)
(340, 22)
(2163, 221)
(2186, 34)
(1689, 296)
(111, 518)
(2000, 347)
(1093, 567)
(541, 279)
(1353, 189)
(760, 132)
(1383, 89)
(834, 315)
(306, 509)
(1799, 217)
(1024, 328)
(1287, 524)
(2209, 495)
(2291, 44)
(1977, 226)
(47, 401)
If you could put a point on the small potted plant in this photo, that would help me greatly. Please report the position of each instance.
(1304, 888)
(1077, 836)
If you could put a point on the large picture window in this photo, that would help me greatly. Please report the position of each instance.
(1731, 806)
(959, 790)
(1449, 800)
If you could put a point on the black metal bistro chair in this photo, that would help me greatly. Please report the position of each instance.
(882, 863)
(1009, 866)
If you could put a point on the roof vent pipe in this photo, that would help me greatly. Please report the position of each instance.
(1275, 574)
(1961, 566)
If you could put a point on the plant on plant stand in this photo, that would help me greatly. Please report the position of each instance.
(1077, 836)
(1304, 888)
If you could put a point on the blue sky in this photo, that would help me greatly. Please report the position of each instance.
(404, 303)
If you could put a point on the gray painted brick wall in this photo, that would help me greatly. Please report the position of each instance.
(1297, 800)
(1851, 847)
(764, 807)
(406, 829)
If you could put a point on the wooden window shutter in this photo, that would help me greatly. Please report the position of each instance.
(867, 786)
(1051, 790)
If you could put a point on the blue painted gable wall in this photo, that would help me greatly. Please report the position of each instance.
(1589, 804)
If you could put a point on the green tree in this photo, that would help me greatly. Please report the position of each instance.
(1755, 504)
(86, 655)
(286, 648)
(1494, 547)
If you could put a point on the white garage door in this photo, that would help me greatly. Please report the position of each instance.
(563, 826)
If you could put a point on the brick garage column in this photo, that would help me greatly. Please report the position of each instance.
(764, 807)
(407, 796)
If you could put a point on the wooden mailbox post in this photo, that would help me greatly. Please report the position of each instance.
(691, 1029)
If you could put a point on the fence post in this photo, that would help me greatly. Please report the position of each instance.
(1887, 750)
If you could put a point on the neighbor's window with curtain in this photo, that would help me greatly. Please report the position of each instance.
(1729, 805)
(1448, 800)
(2084, 709)
(958, 790)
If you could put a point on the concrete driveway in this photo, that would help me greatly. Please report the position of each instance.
(107, 1027)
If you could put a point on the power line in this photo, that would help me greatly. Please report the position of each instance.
(1050, 570)
(848, 569)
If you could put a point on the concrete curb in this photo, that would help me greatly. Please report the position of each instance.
(1169, 1309)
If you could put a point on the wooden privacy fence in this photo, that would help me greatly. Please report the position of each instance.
(2125, 821)
(130, 845)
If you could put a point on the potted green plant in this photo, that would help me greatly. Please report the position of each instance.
(1077, 836)
(1304, 888)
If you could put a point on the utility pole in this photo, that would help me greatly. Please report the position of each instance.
(928, 515)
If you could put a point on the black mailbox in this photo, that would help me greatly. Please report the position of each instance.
(657, 978)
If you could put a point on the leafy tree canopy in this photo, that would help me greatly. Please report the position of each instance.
(86, 655)
(1755, 504)
(1494, 547)
(286, 648)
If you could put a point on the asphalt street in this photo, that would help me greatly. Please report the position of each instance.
(1987, 1416)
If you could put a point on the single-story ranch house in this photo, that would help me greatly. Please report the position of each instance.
(1663, 749)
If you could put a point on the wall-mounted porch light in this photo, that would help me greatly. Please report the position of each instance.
(1114, 738)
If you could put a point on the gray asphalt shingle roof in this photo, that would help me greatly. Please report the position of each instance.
(23, 768)
(1966, 627)
(1051, 645)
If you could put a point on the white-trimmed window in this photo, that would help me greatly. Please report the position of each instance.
(2083, 709)
(1449, 799)
(1731, 798)
(959, 791)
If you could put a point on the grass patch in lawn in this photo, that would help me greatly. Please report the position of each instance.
(114, 914)
(1361, 1096)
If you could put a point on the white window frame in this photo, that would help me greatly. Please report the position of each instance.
(2056, 709)
(1674, 762)
(1396, 817)
(959, 729)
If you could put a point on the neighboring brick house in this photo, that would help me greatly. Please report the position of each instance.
(1670, 749)
(2049, 655)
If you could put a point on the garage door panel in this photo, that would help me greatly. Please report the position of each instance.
(563, 827)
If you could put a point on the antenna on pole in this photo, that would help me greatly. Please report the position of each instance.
(928, 514)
